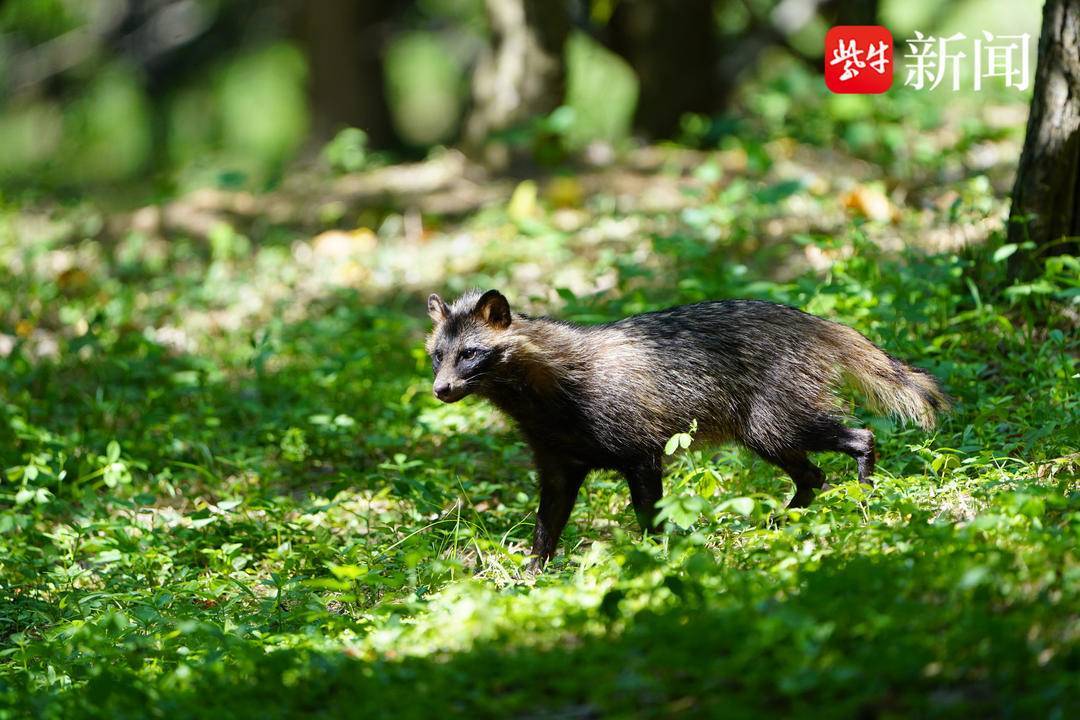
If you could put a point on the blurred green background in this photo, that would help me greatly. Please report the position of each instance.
(228, 491)
(100, 93)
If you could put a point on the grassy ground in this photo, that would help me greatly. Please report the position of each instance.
(228, 490)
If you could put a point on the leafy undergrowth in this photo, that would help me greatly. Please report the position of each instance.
(228, 491)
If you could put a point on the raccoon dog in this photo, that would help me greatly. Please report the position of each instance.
(609, 396)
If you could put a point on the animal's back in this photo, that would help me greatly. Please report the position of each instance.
(758, 372)
(733, 366)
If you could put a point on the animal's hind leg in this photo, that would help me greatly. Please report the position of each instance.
(644, 476)
(807, 476)
(829, 434)
(859, 444)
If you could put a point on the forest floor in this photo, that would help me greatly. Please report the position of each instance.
(229, 491)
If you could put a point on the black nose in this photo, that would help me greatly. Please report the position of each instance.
(442, 389)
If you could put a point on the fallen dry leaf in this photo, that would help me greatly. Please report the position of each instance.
(869, 202)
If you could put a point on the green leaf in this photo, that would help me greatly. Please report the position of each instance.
(348, 572)
(106, 557)
(742, 505)
(974, 576)
(326, 584)
(681, 510)
(1004, 252)
(566, 294)
(676, 441)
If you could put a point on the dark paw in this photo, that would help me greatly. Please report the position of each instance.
(647, 523)
(803, 497)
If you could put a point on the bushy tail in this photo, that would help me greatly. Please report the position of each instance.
(889, 385)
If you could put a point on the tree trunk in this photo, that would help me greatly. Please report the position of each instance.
(672, 46)
(851, 12)
(521, 74)
(344, 42)
(1046, 196)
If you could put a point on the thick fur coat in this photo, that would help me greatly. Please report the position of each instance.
(609, 396)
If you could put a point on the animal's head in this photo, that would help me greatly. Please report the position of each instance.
(469, 340)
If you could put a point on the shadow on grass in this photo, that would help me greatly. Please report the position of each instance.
(866, 637)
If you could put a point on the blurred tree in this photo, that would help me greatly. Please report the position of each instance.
(690, 56)
(344, 43)
(1046, 196)
(520, 73)
(120, 87)
(848, 12)
(672, 46)
(787, 18)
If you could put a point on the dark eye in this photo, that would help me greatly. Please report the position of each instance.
(467, 354)
(436, 357)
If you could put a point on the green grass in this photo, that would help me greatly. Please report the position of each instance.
(228, 491)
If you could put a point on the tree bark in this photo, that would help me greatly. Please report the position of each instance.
(344, 42)
(1046, 196)
(672, 46)
(521, 73)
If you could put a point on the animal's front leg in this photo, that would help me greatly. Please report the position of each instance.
(559, 485)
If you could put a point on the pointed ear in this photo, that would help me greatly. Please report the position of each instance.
(493, 309)
(436, 309)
